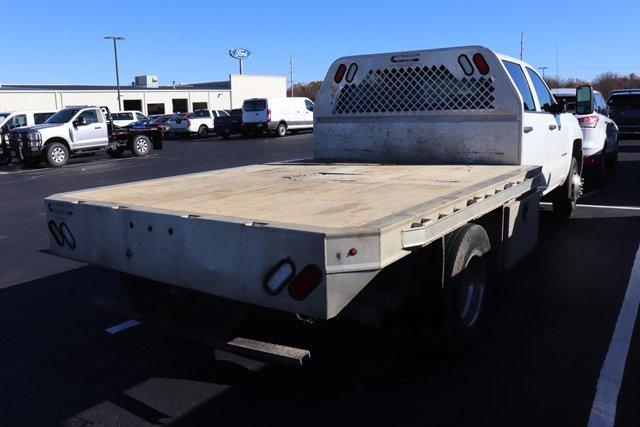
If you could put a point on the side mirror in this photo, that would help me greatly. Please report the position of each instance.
(80, 121)
(584, 100)
(557, 108)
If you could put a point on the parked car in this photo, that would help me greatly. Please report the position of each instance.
(225, 126)
(175, 120)
(159, 122)
(600, 143)
(276, 115)
(18, 118)
(126, 118)
(624, 109)
(79, 129)
(200, 123)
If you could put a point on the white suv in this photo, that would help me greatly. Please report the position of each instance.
(600, 133)
(201, 122)
(126, 118)
(20, 118)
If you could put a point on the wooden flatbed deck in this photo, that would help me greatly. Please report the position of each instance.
(310, 194)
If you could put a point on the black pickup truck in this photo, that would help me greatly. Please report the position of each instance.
(624, 109)
(226, 126)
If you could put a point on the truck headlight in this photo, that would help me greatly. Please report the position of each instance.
(35, 139)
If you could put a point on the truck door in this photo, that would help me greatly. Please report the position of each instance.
(535, 126)
(93, 132)
(560, 148)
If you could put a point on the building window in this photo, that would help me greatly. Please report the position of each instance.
(180, 105)
(132, 104)
(155, 109)
(199, 106)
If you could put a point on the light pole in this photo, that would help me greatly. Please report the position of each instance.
(544, 67)
(115, 53)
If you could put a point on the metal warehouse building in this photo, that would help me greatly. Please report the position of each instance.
(145, 95)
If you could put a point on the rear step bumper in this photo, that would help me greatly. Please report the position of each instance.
(245, 347)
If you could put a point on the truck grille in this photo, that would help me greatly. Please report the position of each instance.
(16, 139)
(421, 88)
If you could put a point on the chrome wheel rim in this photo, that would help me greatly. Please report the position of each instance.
(472, 293)
(142, 146)
(58, 155)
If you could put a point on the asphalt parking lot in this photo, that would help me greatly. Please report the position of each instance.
(547, 336)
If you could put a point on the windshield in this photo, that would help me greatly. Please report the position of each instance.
(63, 116)
(570, 101)
(254, 105)
(4, 116)
(624, 102)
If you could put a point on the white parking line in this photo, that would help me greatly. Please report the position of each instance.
(603, 410)
(122, 326)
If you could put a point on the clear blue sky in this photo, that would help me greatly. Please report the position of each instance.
(61, 41)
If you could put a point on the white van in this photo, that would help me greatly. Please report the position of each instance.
(276, 115)
(20, 118)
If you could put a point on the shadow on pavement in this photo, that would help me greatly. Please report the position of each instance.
(536, 362)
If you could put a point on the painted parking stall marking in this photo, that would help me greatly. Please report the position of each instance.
(122, 326)
(603, 410)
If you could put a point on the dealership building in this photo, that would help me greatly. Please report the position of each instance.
(145, 94)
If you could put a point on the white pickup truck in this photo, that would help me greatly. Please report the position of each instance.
(200, 123)
(429, 167)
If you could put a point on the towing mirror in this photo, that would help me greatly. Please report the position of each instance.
(557, 108)
(80, 121)
(584, 100)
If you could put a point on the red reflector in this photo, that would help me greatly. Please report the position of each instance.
(340, 73)
(588, 121)
(481, 64)
(305, 282)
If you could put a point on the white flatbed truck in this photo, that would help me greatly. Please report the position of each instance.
(430, 160)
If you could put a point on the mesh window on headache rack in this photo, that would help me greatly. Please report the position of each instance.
(414, 89)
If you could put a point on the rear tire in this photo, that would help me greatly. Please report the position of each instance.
(612, 158)
(600, 168)
(141, 145)
(565, 197)
(203, 131)
(281, 130)
(57, 155)
(464, 293)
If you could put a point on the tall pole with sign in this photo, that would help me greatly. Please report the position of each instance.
(240, 54)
